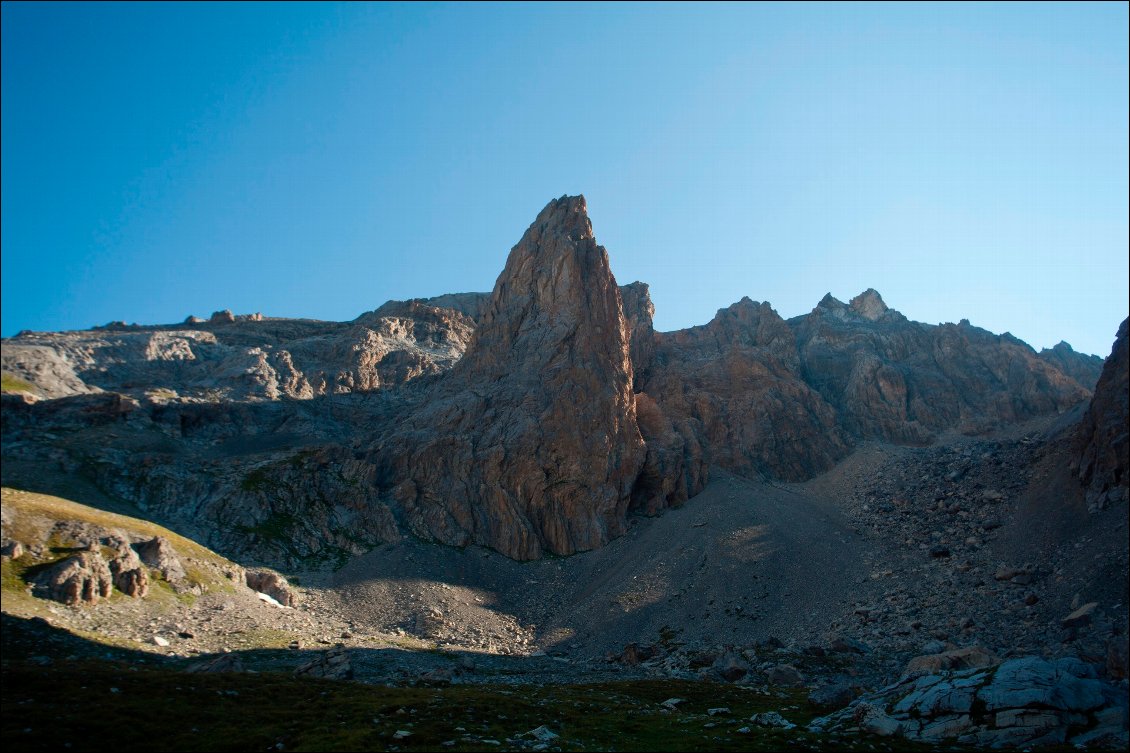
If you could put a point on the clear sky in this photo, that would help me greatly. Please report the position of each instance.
(968, 161)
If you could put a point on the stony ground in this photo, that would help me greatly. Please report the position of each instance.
(969, 541)
(832, 584)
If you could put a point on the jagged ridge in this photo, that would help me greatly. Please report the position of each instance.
(553, 408)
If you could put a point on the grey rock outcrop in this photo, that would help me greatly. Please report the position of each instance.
(246, 358)
(218, 664)
(44, 367)
(131, 577)
(1024, 701)
(333, 664)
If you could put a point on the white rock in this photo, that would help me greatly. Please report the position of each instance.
(543, 733)
(270, 600)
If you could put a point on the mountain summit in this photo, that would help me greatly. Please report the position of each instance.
(530, 420)
(531, 442)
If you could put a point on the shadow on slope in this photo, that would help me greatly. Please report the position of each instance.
(89, 698)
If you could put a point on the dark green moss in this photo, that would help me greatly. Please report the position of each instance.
(254, 481)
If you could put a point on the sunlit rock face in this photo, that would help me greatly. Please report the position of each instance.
(530, 443)
(533, 419)
(732, 389)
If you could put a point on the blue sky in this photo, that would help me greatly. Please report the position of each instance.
(968, 161)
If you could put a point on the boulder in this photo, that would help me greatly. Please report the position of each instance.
(1024, 701)
(158, 553)
(843, 645)
(1118, 657)
(730, 667)
(333, 664)
(1032, 682)
(832, 696)
(959, 658)
(131, 577)
(771, 719)
(1081, 616)
(784, 674)
(82, 578)
(272, 584)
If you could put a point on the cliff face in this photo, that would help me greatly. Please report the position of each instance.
(1084, 369)
(531, 442)
(734, 387)
(901, 381)
(532, 419)
(1103, 439)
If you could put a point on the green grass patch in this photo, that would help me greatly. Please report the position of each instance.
(255, 480)
(10, 383)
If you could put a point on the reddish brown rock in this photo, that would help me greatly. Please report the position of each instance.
(902, 381)
(530, 443)
(80, 578)
(1084, 369)
(131, 577)
(639, 313)
(1103, 442)
(272, 584)
(733, 387)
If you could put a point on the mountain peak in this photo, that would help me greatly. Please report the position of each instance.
(829, 301)
(567, 216)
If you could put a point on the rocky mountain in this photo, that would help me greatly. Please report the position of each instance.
(921, 526)
(228, 358)
(734, 388)
(534, 419)
(1084, 369)
(531, 441)
(1103, 439)
(901, 381)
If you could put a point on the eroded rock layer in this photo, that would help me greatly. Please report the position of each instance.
(531, 442)
(532, 419)
(1104, 433)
